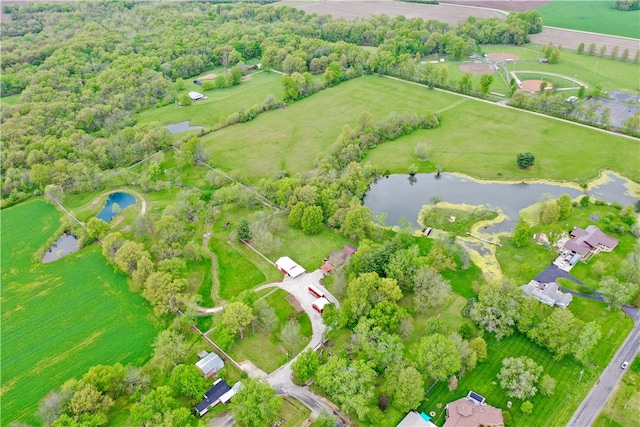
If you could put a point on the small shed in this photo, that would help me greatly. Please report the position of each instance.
(289, 267)
(319, 304)
(326, 267)
(210, 365)
(196, 96)
(212, 396)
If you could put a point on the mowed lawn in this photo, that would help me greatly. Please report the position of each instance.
(597, 16)
(483, 140)
(291, 139)
(550, 411)
(61, 318)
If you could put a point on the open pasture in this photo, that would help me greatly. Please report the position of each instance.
(291, 139)
(61, 318)
(483, 140)
(589, 15)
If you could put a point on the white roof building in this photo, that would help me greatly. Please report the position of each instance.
(196, 96)
(289, 267)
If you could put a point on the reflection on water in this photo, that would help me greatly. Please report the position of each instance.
(402, 196)
(66, 244)
(182, 127)
(122, 200)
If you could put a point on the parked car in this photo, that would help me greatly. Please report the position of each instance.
(624, 365)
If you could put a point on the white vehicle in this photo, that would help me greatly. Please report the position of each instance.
(624, 365)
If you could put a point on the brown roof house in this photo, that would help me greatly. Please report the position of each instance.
(471, 411)
(548, 293)
(589, 242)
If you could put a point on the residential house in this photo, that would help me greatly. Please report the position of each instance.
(414, 419)
(547, 293)
(590, 241)
(210, 365)
(212, 396)
(472, 411)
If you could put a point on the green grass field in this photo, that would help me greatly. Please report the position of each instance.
(220, 102)
(61, 318)
(597, 16)
(483, 140)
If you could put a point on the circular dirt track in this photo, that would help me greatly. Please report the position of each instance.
(481, 68)
(534, 85)
(501, 57)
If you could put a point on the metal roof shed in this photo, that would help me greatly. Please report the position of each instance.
(290, 267)
(210, 364)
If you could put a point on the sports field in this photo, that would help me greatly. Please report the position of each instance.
(597, 16)
(61, 318)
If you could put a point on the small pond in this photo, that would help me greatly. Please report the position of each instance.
(122, 200)
(66, 244)
(402, 196)
(182, 127)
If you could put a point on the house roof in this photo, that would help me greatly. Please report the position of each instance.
(548, 293)
(210, 363)
(196, 95)
(585, 240)
(466, 412)
(290, 267)
(414, 419)
(211, 397)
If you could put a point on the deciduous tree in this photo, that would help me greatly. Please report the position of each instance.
(188, 380)
(497, 308)
(616, 292)
(436, 357)
(430, 289)
(408, 391)
(519, 376)
(256, 404)
(305, 365)
(97, 228)
(236, 317)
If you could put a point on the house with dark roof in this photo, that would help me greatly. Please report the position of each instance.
(210, 364)
(589, 241)
(472, 411)
(547, 293)
(212, 396)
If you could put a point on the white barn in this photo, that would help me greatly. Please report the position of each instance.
(289, 267)
(196, 96)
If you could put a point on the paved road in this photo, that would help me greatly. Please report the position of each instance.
(591, 406)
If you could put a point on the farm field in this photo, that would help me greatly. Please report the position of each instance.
(481, 140)
(59, 319)
(589, 15)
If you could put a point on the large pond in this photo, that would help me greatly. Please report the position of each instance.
(182, 127)
(402, 196)
(118, 201)
(66, 244)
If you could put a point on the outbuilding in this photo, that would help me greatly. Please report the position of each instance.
(196, 96)
(210, 365)
(289, 267)
(319, 304)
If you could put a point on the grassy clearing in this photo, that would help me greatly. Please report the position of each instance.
(592, 70)
(291, 139)
(595, 16)
(235, 271)
(440, 218)
(521, 264)
(9, 100)
(480, 140)
(59, 319)
(264, 349)
(220, 102)
(623, 408)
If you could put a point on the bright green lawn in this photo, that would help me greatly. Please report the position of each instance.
(597, 16)
(293, 412)
(483, 140)
(548, 411)
(9, 100)
(235, 272)
(221, 102)
(58, 319)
